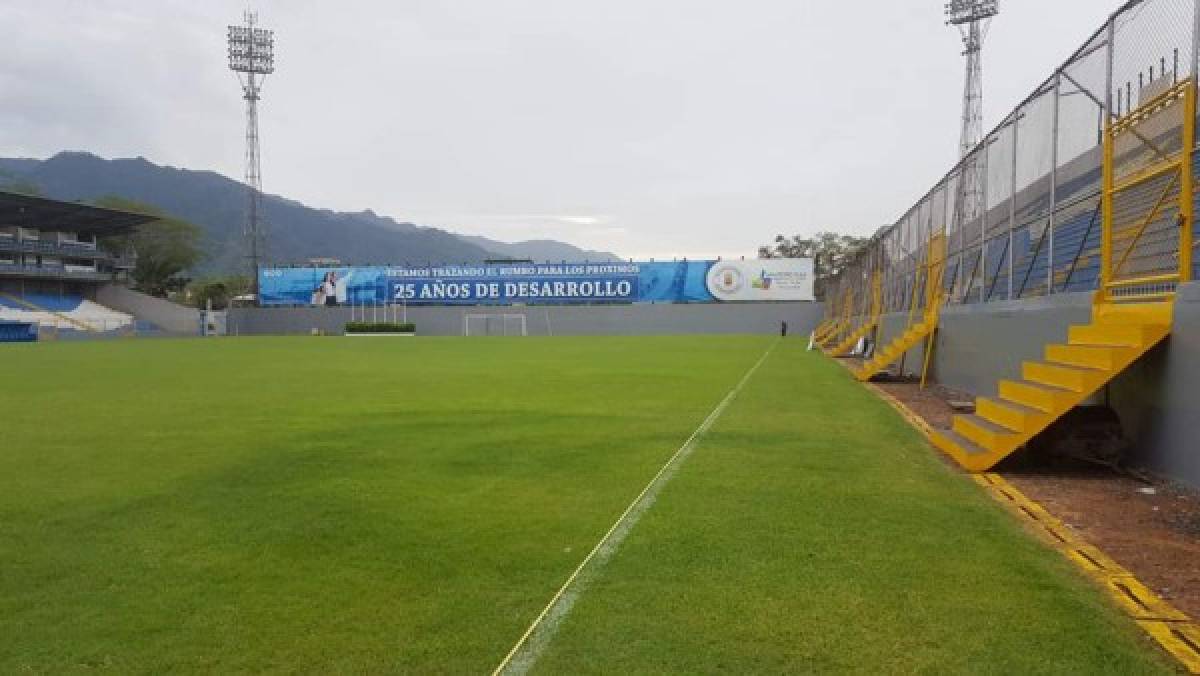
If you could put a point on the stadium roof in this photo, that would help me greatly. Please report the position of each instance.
(47, 214)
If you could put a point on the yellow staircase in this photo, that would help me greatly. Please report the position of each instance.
(851, 339)
(822, 328)
(895, 349)
(1072, 372)
(835, 327)
(829, 327)
(869, 323)
(836, 336)
(931, 270)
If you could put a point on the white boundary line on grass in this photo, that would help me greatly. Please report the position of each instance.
(535, 639)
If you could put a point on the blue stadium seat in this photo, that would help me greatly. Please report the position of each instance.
(17, 332)
(54, 303)
(996, 269)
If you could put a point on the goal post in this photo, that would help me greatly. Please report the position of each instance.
(494, 325)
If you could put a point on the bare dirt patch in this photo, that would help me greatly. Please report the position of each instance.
(1148, 524)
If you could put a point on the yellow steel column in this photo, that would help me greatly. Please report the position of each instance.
(1187, 206)
(876, 296)
(1106, 201)
(916, 290)
(933, 297)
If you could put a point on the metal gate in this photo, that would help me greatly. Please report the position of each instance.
(1147, 239)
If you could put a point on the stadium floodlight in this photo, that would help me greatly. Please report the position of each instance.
(251, 50)
(972, 18)
(252, 58)
(959, 12)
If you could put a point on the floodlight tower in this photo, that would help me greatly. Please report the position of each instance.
(972, 18)
(252, 57)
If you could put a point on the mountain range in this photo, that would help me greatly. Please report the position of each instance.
(295, 232)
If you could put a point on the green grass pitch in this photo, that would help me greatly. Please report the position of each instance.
(410, 505)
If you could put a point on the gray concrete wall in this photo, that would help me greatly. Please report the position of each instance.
(1159, 397)
(979, 345)
(971, 337)
(168, 316)
(574, 320)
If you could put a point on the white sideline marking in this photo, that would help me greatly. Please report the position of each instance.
(529, 647)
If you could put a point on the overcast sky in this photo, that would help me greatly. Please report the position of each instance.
(645, 127)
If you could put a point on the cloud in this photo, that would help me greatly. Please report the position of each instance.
(580, 220)
(519, 220)
(698, 125)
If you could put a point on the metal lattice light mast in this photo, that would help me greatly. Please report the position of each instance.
(252, 57)
(971, 17)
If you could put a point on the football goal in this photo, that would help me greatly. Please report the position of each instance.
(494, 325)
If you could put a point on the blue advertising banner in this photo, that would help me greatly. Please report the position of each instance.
(528, 284)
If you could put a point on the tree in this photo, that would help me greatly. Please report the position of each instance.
(830, 252)
(166, 247)
(22, 186)
(220, 290)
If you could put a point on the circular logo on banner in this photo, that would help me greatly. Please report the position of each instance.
(726, 279)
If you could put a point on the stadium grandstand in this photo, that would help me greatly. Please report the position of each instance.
(1052, 279)
(52, 264)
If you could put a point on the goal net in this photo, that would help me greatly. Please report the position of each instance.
(494, 325)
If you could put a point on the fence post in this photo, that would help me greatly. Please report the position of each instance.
(983, 239)
(985, 151)
(950, 218)
(1053, 185)
(959, 215)
(1188, 211)
(1108, 69)
(1195, 65)
(1105, 196)
(1012, 202)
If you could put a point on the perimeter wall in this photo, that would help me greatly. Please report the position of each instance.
(558, 320)
(167, 316)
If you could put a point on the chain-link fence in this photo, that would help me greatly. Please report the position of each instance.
(1023, 213)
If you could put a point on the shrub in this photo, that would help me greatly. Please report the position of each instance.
(380, 327)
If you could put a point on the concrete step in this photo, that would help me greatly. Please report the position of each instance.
(1105, 357)
(965, 452)
(985, 433)
(1012, 415)
(1160, 313)
(1124, 335)
(1064, 376)
(1046, 398)
(966, 445)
